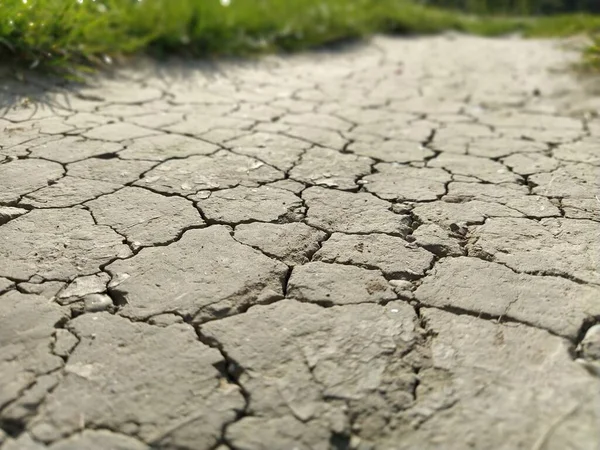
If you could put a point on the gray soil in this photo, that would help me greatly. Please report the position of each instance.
(393, 246)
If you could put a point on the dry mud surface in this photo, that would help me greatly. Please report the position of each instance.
(386, 247)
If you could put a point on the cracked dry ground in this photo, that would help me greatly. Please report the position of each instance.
(392, 246)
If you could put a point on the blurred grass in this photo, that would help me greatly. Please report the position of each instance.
(66, 33)
(592, 54)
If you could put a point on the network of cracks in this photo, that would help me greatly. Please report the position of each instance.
(368, 249)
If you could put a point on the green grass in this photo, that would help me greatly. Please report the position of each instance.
(69, 32)
(592, 54)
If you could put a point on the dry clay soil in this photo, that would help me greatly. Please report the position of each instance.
(392, 246)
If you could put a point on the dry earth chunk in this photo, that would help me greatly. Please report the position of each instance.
(280, 151)
(395, 182)
(144, 217)
(5, 284)
(64, 342)
(57, 244)
(125, 376)
(327, 139)
(321, 166)
(562, 247)
(481, 168)
(308, 370)
(23, 176)
(513, 196)
(472, 212)
(317, 120)
(585, 151)
(524, 120)
(46, 289)
(112, 170)
(346, 212)
(516, 382)
(568, 181)
(221, 170)
(392, 151)
(392, 255)
(291, 243)
(415, 132)
(437, 240)
(337, 284)
(99, 440)
(68, 191)
(199, 124)
(528, 164)
(8, 213)
(582, 208)
(289, 185)
(481, 287)
(82, 286)
(71, 148)
(499, 147)
(26, 327)
(117, 132)
(166, 146)
(242, 204)
(205, 275)
(23, 442)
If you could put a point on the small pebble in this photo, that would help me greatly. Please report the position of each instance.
(589, 348)
(97, 302)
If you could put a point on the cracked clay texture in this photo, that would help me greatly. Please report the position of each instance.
(390, 246)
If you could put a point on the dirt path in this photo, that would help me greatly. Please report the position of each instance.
(387, 247)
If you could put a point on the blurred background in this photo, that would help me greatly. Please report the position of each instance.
(68, 34)
(518, 6)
